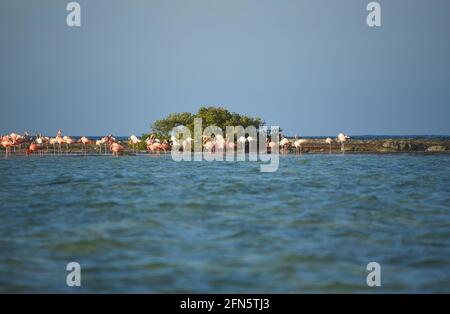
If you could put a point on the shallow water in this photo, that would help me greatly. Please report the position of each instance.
(149, 224)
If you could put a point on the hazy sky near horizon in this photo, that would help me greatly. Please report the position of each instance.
(313, 67)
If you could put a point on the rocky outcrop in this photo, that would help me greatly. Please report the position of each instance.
(436, 148)
(386, 145)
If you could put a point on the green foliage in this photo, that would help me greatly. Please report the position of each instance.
(218, 116)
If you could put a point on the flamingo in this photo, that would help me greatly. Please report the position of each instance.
(221, 145)
(241, 142)
(342, 138)
(298, 144)
(134, 141)
(7, 143)
(69, 141)
(165, 146)
(284, 144)
(59, 140)
(53, 142)
(84, 141)
(116, 149)
(103, 141)
(34, 147)
(18, 140)
(187, 144)
(40, 140)
(270, 145)
(107, 141)
(328, 141)
(230, 145)
(208, 144)
(153, 145)
(175, 143)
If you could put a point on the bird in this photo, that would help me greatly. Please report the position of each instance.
(53, 142)
(99, 144)
(34, 147)
(41, 140)
(271, 145)
(175, 143)
(59, 140)
(18, 140)
(298, 144)
(153, 144)
(116, 148)
(284, 144)
(241, 144)
(7, 143)
(328, 140)
(134, 140)
(69, 141)
(208, 144)
(84, 141)
(342, 138)
(230, 145)
(104, 141)
(187, 143)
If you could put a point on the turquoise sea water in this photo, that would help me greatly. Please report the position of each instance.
(149, 224)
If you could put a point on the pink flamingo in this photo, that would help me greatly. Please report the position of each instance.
(270, 145)
(53, 142)
(7, 143)
(284, 144)
(34, 147)
(84, 141)
(298, 144)
(208, 144)
(116, 149)
(69, 141)
(153, 145)
(230, 145)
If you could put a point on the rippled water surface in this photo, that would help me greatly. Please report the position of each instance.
(149, 224)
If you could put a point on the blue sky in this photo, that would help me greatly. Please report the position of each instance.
(313, 67)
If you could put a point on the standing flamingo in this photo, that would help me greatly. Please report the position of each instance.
(104, 141)
(18, 140)
(298, 144)
(116, 149)
(187, 144)
(208, 144)
(342, 138)
(7, 143)
(84, 141)
(153, 144)
(329, 141)
(134, 141)
(230, 145)
(270, 145)
(284, 144)
(59, 140)
(175, 143)
(69, 141)
(53, 142)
